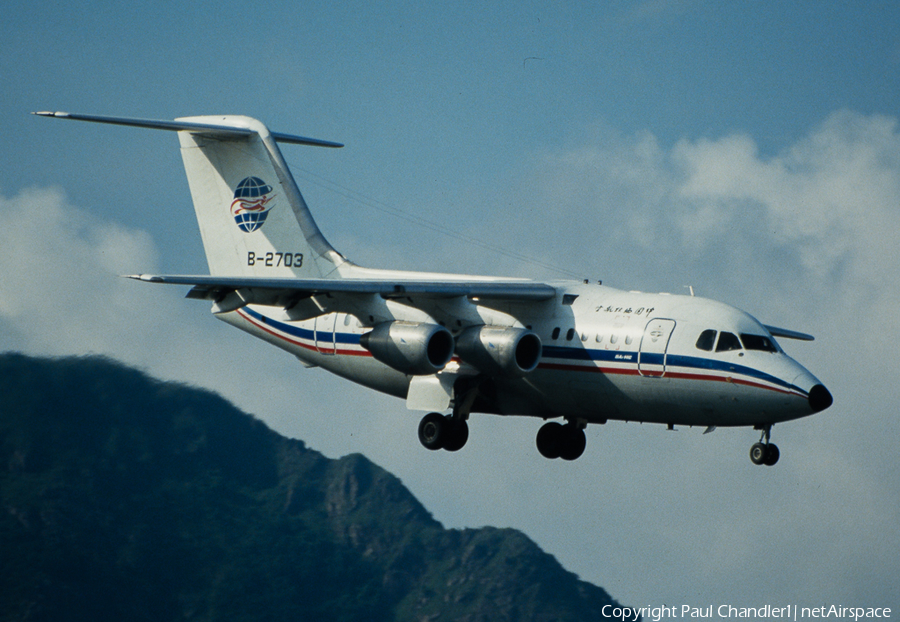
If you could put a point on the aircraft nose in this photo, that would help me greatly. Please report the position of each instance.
(819, 398)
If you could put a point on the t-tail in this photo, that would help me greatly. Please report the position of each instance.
(252, 217)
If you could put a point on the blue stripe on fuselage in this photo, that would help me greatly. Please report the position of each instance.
(572, 354)
(671, 360)
(301, 333)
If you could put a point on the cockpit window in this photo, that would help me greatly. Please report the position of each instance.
(758, 342)
(728, 342)
(707, 340)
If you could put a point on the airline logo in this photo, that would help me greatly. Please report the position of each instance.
(253, 199)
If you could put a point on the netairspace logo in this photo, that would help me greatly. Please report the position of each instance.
(767, 612)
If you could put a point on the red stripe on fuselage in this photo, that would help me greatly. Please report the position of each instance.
(310, 347)
(620, 371)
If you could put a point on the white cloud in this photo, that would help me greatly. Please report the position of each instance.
(833, 196)
(60, 289)
(61, 293)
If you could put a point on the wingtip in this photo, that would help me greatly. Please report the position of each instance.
(147, 278)
(48, 113)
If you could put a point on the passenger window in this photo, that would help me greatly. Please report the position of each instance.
(570, 334)
(598, 338)
(707, 340)
(613, 338)
(758, 342)
(728, 342)
(628, 340)
(555, 334)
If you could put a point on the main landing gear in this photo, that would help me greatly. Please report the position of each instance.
(555, 440)
(450, 432)
(765, 453)
(437, 431)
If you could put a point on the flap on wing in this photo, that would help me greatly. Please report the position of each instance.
(432, 393)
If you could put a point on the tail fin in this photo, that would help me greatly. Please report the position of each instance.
(252, 217)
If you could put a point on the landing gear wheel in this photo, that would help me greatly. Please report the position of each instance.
(573, 442)
(433, 431)
(758, 453)
(549, 440)
(765, 452)
(456, 434)
(555, 440)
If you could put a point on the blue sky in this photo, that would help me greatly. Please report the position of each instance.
(750, 150)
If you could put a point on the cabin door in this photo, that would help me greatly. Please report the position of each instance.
(654, 343)
(325, 333)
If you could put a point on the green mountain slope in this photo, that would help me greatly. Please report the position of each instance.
(126, 498)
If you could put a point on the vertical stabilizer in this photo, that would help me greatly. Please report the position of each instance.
(252, 217)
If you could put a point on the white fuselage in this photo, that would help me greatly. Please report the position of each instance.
(607, 354)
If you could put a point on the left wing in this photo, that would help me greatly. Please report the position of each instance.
(232, 293)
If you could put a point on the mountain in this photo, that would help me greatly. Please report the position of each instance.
(126, 498)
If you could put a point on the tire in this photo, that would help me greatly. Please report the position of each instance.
(758, 453)
(772, 455)
(573, 443)
(433, 431)
(549, 440)
(456, 435)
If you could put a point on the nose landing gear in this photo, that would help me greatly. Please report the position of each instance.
(765, 453)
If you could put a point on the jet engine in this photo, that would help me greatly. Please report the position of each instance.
(504, 350)
(416, 349)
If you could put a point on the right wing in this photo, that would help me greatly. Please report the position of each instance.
(788, 334)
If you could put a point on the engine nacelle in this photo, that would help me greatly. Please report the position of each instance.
(416, 349)
(500, 350)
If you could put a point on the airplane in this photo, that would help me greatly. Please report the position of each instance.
(452, 345)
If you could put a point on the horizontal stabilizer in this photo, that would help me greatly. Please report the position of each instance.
(205, 129)
(788, 334)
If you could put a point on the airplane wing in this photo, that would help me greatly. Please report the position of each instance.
(231, 293)
(788, 334)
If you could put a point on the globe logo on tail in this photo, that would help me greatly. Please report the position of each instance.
(252, 202)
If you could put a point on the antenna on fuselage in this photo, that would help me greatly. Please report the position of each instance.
(691, 289)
